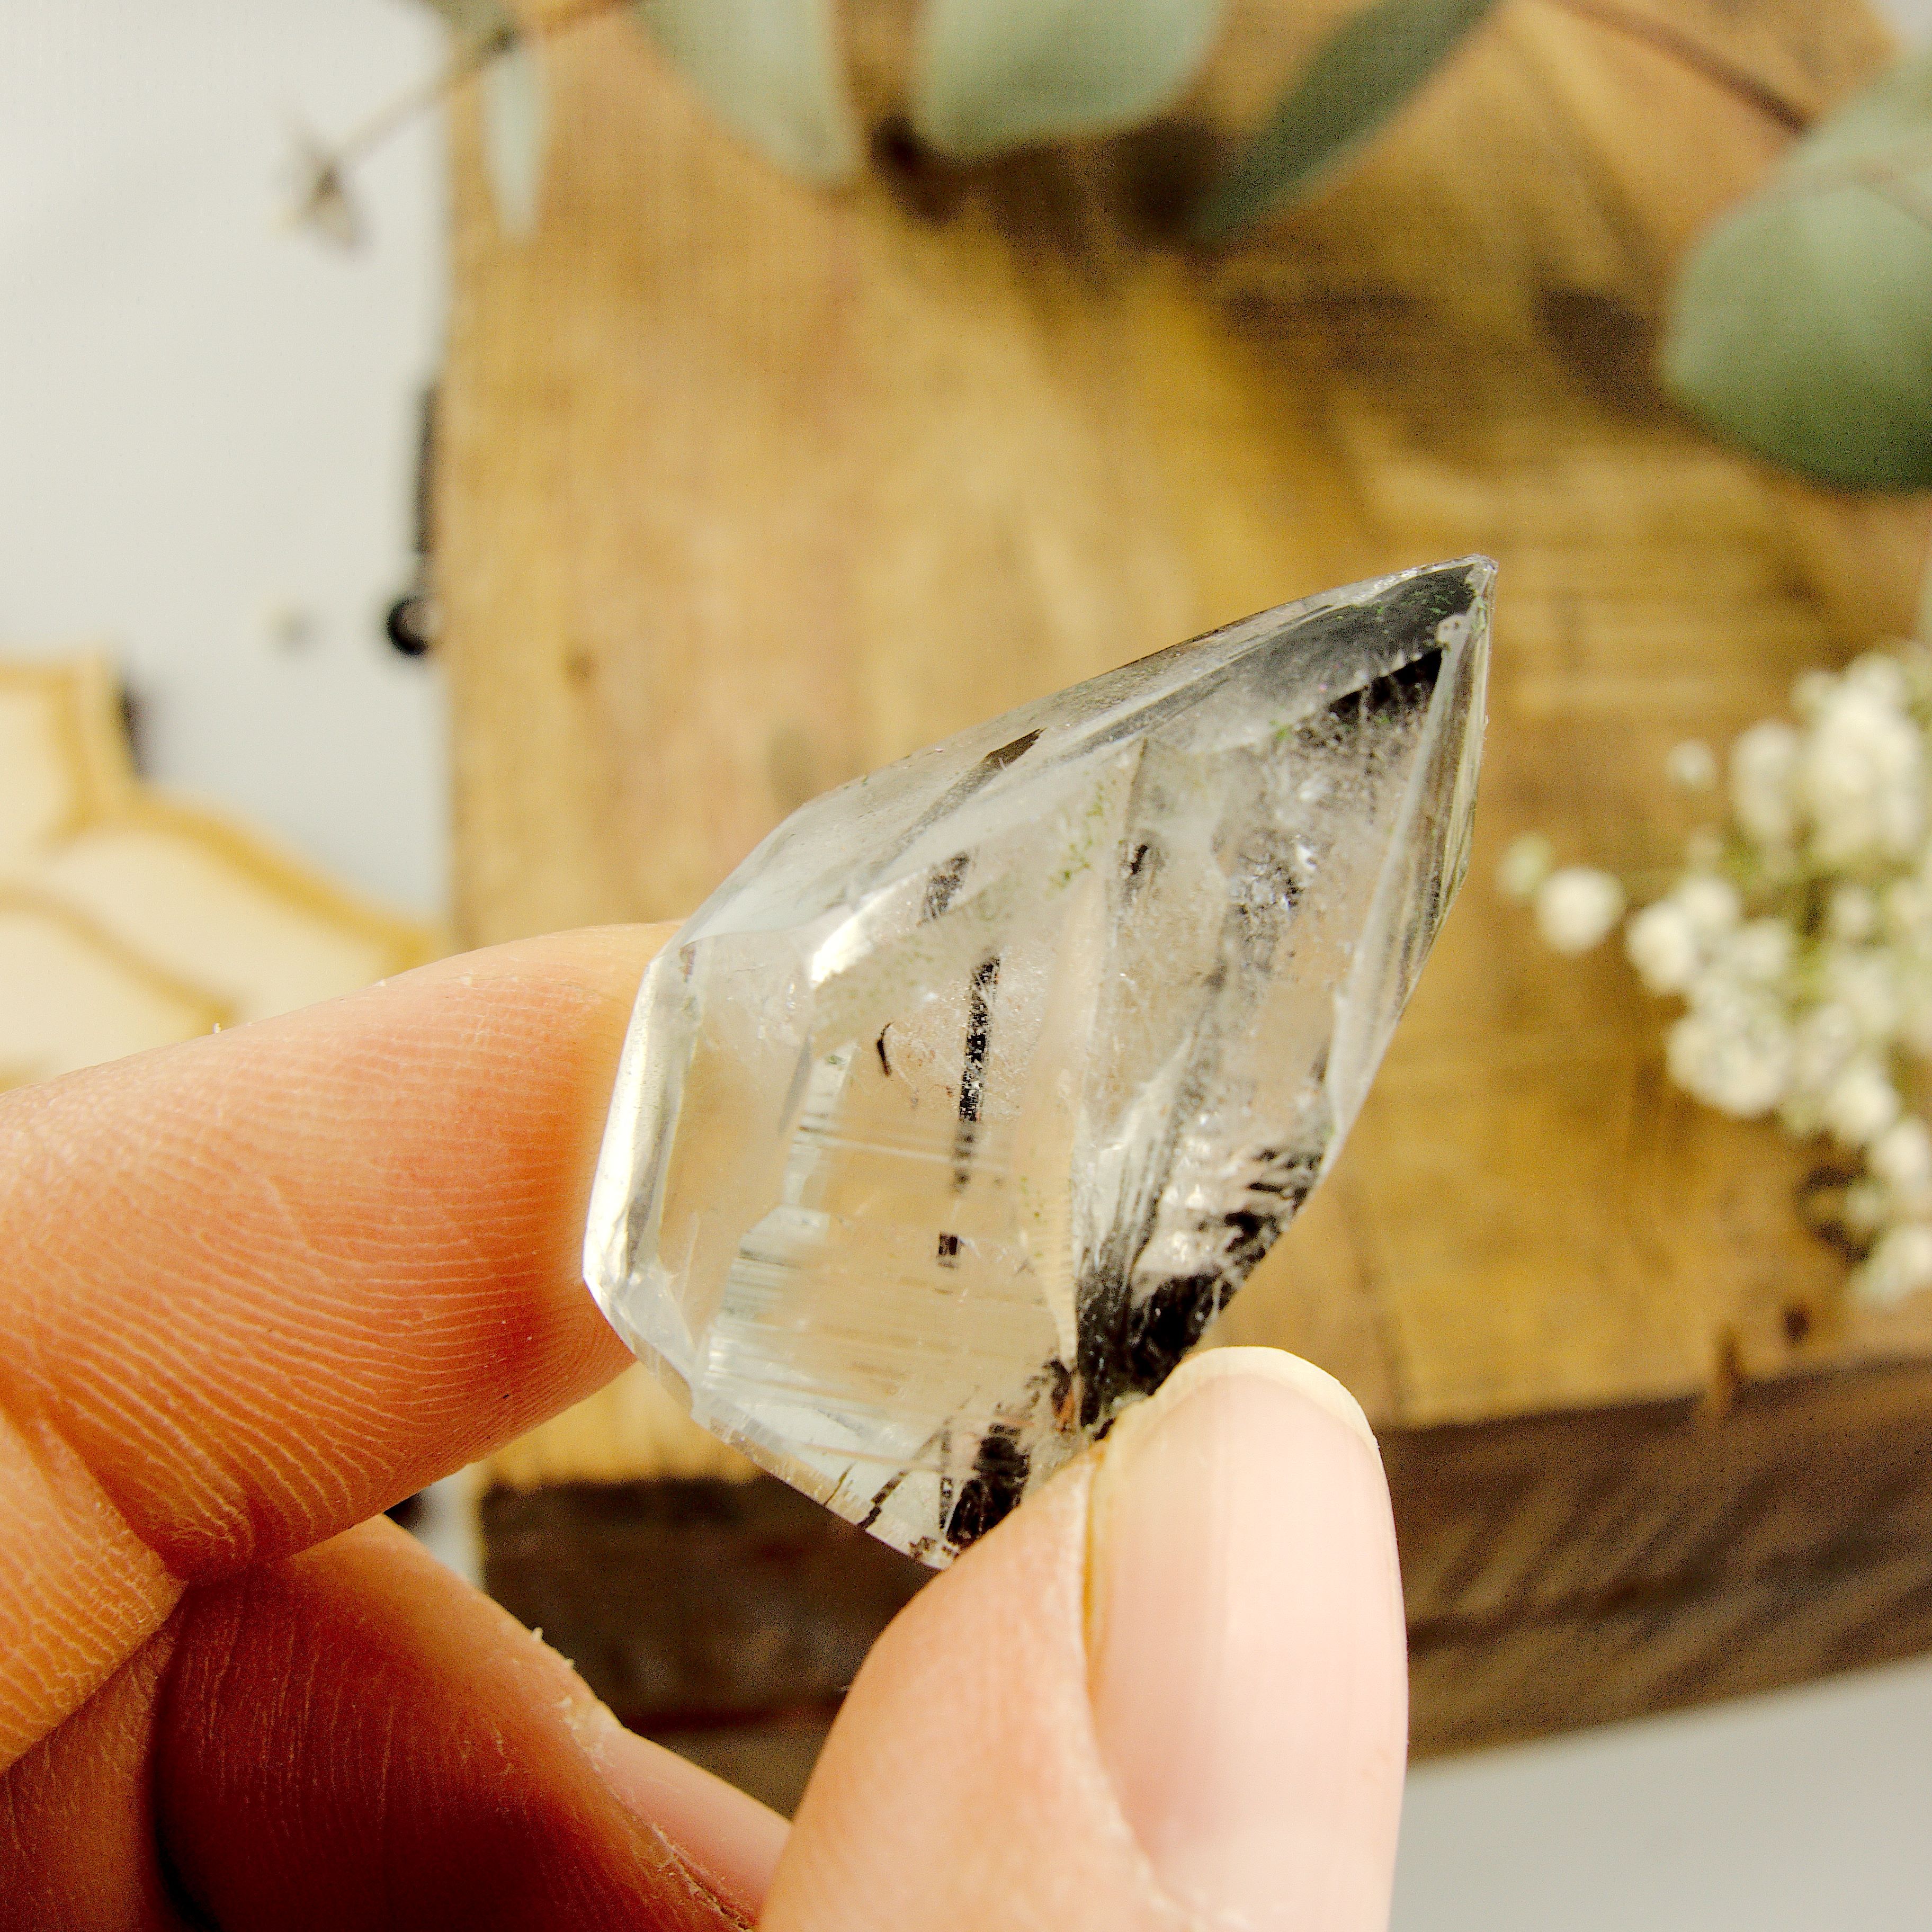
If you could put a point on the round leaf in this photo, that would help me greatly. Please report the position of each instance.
(995, 74)
(1353, 85)
(1802, 325)
(771, 70)
(516, 129)
(477, 19)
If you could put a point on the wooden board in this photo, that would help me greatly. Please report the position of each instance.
(1584, 1567)
(130, 919)
(745, 488)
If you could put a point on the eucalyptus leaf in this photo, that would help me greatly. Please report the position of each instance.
(1359, 77)
(1801, 326)
(477, 20)
(994, 74)
(772, 70)
(516, 128)
(516, 115)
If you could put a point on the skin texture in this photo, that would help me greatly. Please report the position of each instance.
(262, 1286)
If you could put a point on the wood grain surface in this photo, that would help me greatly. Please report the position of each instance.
(745, 488)
(130, 919)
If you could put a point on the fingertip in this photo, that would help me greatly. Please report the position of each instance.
(736, 1841)
(1246, 1645)
(1170, 1688)
(343, 1246)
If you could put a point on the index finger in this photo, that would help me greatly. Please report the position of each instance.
(265, 1284)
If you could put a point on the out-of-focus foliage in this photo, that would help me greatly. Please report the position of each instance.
(1359, 77)
(773, 70)
(995, 74)
(516, 107)
(988, 76)
(516, 131)
(1802, 325)
(477, 21)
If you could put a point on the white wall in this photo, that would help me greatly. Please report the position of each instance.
(1809, 1811)
(201, 417)
(204, 417)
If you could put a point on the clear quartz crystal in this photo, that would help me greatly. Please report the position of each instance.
(951, 1118)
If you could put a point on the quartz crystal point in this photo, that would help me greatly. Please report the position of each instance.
(950, 1120)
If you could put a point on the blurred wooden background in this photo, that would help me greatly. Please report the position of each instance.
(744, 488)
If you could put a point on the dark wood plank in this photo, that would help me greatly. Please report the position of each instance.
(1560, 1569)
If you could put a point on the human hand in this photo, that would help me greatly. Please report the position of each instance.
(263, 1285)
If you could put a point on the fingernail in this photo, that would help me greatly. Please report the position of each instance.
(1245, 1645)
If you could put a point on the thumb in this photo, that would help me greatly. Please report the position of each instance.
(1169, 1691)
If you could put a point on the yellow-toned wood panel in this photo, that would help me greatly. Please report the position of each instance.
(745, 488)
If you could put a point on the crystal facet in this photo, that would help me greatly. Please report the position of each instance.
(948, 1123)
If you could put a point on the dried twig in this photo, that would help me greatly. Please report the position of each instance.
(322, 201)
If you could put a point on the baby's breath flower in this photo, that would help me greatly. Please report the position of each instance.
(1822, 1041)
(1722, 998)
(1759, 952)
(1577, 908)
(1799, 938)
(1864, 980)
(1851, 912)
(1901, 1157)
(1914, 1022)
(1866, 1207)
(1907, 910)
(1862, 1105)
(1736, 1062)
(1525, 865)
(1879, 676)
(1691, 765)
(1861, 778)
(1662, 944)
(1914, 660)
(1810, 689)
(1712, 905)
(1764, 770)
(1900, 1263)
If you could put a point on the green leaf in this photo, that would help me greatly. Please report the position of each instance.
(773, 71)
(994, 74)
(1801, 327)
(1354, 84)
(516, 110)
(516, 128)
(477, 20)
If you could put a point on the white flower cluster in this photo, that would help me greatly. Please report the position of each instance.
(1799, 938)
